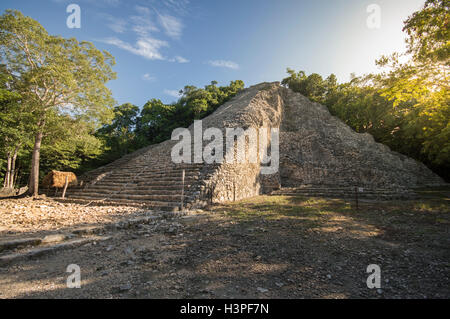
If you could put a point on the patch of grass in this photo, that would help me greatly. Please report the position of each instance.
(305, 212)
(282, 207)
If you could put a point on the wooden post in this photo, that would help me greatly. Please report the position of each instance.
(65, 187)
(356, 198)
(182, 190)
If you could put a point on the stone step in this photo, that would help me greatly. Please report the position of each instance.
(132, 203)
(140, 197)
(346, 195)
(151, 176)
(19, 243)
(42, 251)
(157, 185)
(126, 199)
(138, 190)
(154, 171)
(340, 193)
(144, 179)
(131, 196)
(352, 189)
(153, 168)
(132, 186)
(166, 172)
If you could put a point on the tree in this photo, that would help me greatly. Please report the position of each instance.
(56, 76)
(422, 83)
(16, 122)
(119, 137)
(158, 120)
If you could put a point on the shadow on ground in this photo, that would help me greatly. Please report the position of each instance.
(266, 247)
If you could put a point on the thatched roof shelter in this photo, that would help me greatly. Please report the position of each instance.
(56, 179)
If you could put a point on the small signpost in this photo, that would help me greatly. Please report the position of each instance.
(65, 187)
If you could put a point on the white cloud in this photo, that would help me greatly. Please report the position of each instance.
(142, 10)
(224, 64)
(146, 47)
(142, 23)
(171, 25)
(173, 93)
(179, 59)
(118, 25)
(148, 77)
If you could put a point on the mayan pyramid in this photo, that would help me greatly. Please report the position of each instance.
(319, 155)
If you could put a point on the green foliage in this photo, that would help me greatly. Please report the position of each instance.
(54, 72)
(429, 32)
(159, 120)
(61, 94)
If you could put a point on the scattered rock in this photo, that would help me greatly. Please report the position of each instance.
(54, 238)
(262, 290)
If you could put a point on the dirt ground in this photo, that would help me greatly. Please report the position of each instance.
(266, 247)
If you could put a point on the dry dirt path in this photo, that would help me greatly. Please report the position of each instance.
(267, 247)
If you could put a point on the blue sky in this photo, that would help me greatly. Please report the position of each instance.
(162, 45)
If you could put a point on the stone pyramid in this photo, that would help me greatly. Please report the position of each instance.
(319, 155)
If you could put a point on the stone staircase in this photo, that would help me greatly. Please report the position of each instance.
(347, 192)
(155, 186)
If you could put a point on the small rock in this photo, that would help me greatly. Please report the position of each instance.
(329, 276)
(279, 284)
(125, 287)
(380, 291)
(54, 238)
(262, 290)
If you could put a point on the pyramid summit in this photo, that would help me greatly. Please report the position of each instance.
(318, 155)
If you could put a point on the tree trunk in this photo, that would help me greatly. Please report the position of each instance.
(13, 167)
(16, 175)
(8, 171)
(34, 176)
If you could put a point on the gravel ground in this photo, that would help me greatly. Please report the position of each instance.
(266, 247)
(27, 216)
